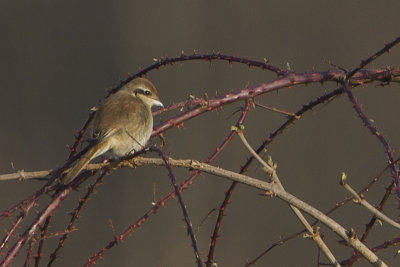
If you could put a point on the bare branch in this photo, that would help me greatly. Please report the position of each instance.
(191, 108)
(348, 236)
(374, 130)
(271, 171)
(361, 200)
(183, 207)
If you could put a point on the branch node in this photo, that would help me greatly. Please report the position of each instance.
(343, 179)
(21, 174)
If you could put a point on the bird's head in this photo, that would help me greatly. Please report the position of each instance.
(144, 90)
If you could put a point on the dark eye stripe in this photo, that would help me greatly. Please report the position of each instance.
(142, 91)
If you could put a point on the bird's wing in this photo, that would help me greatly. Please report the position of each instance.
(97, 149)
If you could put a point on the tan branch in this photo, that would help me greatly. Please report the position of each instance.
(361, 200)
(271, 170)
(22, 175)
(274, 188)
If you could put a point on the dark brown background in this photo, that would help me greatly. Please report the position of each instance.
(58, 59)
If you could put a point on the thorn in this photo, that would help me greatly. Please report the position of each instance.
(288, 66)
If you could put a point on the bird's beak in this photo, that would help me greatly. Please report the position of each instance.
(157, 103)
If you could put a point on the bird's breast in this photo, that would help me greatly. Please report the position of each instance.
(131, 140)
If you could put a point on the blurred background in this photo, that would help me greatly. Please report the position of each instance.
(58, 59)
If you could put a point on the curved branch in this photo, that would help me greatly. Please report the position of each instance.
(348, 235)
(291, 79)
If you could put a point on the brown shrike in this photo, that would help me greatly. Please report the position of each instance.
(122, 124)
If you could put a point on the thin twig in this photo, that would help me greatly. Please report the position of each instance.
(374, 130)
(348, 236)
(282, 240)
(274, 109)
(163, 200)
(228, 194)
(34, 227)
(188, 222)
(74, 217)
(43, 233)
(209, 57)
(370, 224)
(288, 80)
(368, 60)
(29, 252)
(361, 200)
(271, 171)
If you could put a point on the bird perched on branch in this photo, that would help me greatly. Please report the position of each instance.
(122, 124)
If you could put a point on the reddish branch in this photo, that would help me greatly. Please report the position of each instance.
(262, 147)
(198, 106)
(43, 233)
(291, 120)
(378, 134)
(26, 205)
(34, 227)
(368, 60)
(29, 252)
(164, 200)
(367, 122)
(250, 92)
(74, 217)
(79, 138)
(280, 129)
(221, 212)
(210, 57)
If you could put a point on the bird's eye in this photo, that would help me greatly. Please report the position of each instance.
(147, 92)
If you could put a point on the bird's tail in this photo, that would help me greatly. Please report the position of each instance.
(84, 160)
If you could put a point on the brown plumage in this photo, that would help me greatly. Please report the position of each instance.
(122, 124)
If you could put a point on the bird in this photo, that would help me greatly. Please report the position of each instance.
(122, 125)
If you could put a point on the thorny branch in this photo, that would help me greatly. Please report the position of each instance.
(171, 195)
(183, 206)
(273, 188)
(195, 107)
